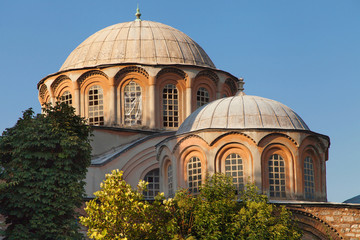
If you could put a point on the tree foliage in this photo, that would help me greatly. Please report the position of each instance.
(120, 212)
(43, 161)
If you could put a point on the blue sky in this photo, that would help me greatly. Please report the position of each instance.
(305, 54)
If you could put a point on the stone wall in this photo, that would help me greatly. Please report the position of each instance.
(328, 220)
(316, 220)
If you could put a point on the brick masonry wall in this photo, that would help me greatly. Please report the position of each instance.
(325, 220)
(343, 219)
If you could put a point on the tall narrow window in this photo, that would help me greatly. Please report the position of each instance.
(202, 97)
(309, 178)
(96, 106)
(132, 104)
(66, 98)
(277, 176)
(170, 180)
(234, 168)
(153, 188)
(194, 174)
(170, 106)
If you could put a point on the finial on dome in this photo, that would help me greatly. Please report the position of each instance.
(240, 87)
(137, 14)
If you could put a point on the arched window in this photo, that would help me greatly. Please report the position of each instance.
(277, 176)
(132, 104)
(170, 106)
(66, 98)
(170, 180)
(96, 106)
(194, 174)
(153, 188)
(202, 97)
(309, 186)
(234, 168)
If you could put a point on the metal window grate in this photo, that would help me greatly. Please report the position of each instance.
(132, 104)
(170, 106)
(309, 178)
(66, 98)
(153, 188)
(96, 106)
(277, 176)
(234, 168)
(170, 180)
(194, 174)
(202, 97)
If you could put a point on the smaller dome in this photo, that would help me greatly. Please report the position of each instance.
(243, 112)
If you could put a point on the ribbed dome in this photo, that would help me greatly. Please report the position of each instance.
(243, 112)
(142, 42)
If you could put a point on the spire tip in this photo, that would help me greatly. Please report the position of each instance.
(138, 14)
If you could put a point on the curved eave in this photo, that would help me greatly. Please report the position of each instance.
(100, 67)
(272, 130)
(103, 159)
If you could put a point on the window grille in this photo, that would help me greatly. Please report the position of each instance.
(96, 106)
(277, 176)
(153, 188)
(132, 104)
(202, 97)
(170, 106)
(170, 180)
(194, 174)
(309, 178)
(66, 98)
(234, 168)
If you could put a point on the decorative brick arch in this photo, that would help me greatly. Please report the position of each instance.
(240, 149)
(314, 227)
(185, 139)
(184, 157)
(91, 73)
(210, 75)
(43, 91)
(230, 85)
(91, 79)
(131, 69)
(174, 80)
(207, 81)
(316, 143)
(309, 149)
(231, 133)
(173, 70)
(277, 148)
(262, 141)
(58, 81)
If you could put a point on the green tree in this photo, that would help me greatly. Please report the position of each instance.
(119, 212)
(43, 161)
(217, 213)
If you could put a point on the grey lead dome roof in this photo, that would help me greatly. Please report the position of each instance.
(142, 42)
(243, 112)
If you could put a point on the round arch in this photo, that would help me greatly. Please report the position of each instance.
(177, 78)
(86, 82)
(140, 92)
(243, 171)
(205, 80)
(184, 158)
(278, 150)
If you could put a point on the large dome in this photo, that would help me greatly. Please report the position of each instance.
(142, 42)
(243, 112)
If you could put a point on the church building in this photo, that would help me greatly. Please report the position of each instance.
(161, 111)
